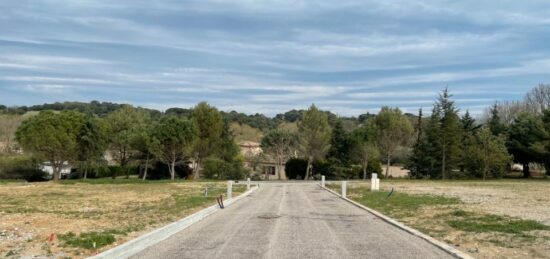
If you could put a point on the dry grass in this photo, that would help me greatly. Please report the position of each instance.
(31, 213)
(493, 219)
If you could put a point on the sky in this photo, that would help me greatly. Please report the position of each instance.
(349, 57)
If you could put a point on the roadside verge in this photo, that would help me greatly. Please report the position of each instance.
(443, 246)
(136, 245)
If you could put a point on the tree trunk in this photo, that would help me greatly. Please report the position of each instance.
(388, 165)
(56, 172)
(443, 169)
(173, 170)
(526, 173)
(85, 172)
(279, 166)
(196, 173)
(365, 165)
(146, 167)
(309, 162)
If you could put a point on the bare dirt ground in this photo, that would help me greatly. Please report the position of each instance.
(31, 213)
(523, 199)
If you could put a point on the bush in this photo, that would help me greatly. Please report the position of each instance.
(160, 171)
(220, 169)
(21, 167)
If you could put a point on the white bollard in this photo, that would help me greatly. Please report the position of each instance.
(229, 189)
(373, 179)
(323, 180)
(248, 183)
(377, 184)
(344, 187)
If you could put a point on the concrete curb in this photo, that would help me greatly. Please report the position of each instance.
(443, 246)
(138, 244)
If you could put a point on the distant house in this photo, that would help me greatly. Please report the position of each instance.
(259, 162)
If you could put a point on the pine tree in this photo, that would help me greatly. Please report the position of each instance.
(495, 123)
(449, 137)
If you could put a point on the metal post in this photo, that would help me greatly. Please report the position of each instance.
(344, 185)
(323, 180)
(229, 189)
(248, 183)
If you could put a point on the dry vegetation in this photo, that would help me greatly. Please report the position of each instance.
(79, 214)
(492, 219)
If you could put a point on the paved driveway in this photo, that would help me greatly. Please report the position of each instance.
(292, 220)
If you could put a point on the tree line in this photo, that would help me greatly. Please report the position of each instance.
(199, 142)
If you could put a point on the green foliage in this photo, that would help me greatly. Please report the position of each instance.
(125, 127)
(314, 136)
(341, 146)
(21, 167)
(485, 154)
(278, 143)
(228, 149)
(220, 169)
(52, 137)
(172, 139)
(209, 123)
(493, 223)
(399, 203)
(91, 144)
(437, 151)
(524, 140)
(392, 130)
(495, 123)
(87, 239)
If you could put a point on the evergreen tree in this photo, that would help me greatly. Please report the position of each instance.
(525, 138)
(495, 123)
(340, 146)
(449, 134)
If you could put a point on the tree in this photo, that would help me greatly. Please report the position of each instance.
(538, 99)
(124, 128)
(52, 136)
(364, 151)
(417, 162)
(209, 124)
(91, 143)
(449, 133)
(340, 146)
(486, 154)
(8, 127)
(524, 140)
(278, 143)
(392, 129)
(314, 136)
(495, 124)
(172, 138)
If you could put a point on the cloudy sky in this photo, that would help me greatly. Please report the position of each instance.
(271, 56)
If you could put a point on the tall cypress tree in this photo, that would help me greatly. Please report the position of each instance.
(450, 133)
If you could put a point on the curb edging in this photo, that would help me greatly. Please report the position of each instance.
(146, 240)
(443, 246)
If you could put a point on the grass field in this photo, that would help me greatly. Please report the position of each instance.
(104, 213)
(492, 219)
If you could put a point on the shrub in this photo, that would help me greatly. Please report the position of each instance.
(295, 168)
(21, 167)
(220, 169)
(160, 171)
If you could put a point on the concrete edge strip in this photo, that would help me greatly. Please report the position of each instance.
(443, 246)
(140, 243)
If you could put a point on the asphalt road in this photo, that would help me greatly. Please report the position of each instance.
(292, 220)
